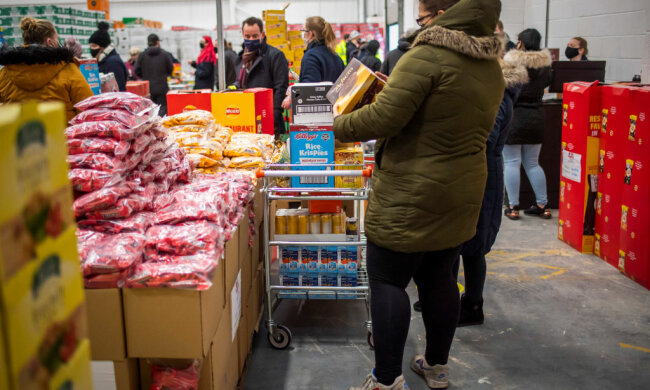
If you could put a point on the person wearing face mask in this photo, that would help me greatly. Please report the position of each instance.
(231, 60)
(41, 69)
(264, 66)
(431, 121)
(353, 48)
(204, 65)
(108, 60)
(577, 49)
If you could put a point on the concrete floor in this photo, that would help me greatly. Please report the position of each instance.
(555, 319)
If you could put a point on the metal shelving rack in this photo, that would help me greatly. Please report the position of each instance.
(279, 335)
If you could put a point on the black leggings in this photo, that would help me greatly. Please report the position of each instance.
(475, 271)
(389, 273)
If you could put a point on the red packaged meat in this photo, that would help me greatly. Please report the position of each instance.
(116, 100)
(190, 210)
(114, 253)
(154, 151)
(103, 162)
(98, 145)
(167, 378)
(112, 280)
(123, 207)
(141, 142)
(138, 222)
(141, 176)
(159, 131)
(101, 199)
(185, 239)
(88, 180)
(106, 114)
(86, 240)
(105, 129)
(191, 272)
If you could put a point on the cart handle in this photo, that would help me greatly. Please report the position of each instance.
(364, 173)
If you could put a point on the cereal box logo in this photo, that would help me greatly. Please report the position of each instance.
(624, 212)
(599, 203)
(326, 137)
(629, 166)
(306, 136)
(632, 135)
(232, 111)
(621, 261)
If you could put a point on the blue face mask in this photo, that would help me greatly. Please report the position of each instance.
(252, 44)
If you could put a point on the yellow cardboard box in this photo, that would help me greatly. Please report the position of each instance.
(273, 15)
(357, 86)
(354, 158)
(41, 287)
(276, 27)
(280, 44)
(276, 36)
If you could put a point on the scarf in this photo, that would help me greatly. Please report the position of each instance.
(207, 53)
(248, 59)
(108, 50)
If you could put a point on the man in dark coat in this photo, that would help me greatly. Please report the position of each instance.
(353, 46)
(394, 55)
(264, 66)
(231, 60)
(107, 58)
(370, 60)
(155, 65)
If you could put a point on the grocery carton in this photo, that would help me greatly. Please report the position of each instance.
(140, 88)
(249, 111)
(580, 164)
(177, 101)
(271, 16)
(90, 71)
(353, 158)
(357, 86)
(309, 104)
(312, 145)
(41, 291)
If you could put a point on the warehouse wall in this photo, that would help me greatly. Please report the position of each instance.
(617, 30)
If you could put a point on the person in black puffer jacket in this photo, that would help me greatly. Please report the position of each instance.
(527, 134)
(394, 55)
(155, 65)
(107, 58)
(370, 60)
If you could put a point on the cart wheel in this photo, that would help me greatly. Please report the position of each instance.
(371, 340)
(281, 339)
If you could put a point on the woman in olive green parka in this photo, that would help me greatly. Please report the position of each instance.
(431, 121)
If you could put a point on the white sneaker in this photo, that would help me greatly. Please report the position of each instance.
(371, 383)
(437, 377)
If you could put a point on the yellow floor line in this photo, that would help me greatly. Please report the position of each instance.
(629, 346)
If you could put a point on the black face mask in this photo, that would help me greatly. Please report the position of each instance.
(202, 45)
(94, 52)
(571, 52)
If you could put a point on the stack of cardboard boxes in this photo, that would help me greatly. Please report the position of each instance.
(135, 327)
(609, 214)
(289, 42)
(43, 337)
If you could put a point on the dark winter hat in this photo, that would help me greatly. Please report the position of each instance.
(101, 37)
(152, 39)
(372, 47)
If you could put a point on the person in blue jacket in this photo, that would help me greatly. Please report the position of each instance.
(474, 251)
(320, 63)
(108, 60)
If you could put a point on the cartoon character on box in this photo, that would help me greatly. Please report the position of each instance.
(624, 212)
(601, 165)
(604, 128)
(621, 261)
(562, 190)
(599, 203)
(629, 165)
(597, 245)
(565, 115)
(560, 230)
(632, 136)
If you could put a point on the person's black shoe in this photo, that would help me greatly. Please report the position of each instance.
(470, 313)
(417, 306)
(544, 212)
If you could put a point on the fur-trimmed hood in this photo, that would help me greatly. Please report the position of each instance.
(482, 48)
(530, 59)
(514, 74)
(31, 55)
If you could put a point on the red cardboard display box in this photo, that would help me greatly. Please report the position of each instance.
(178, 100)
(634, 252)
(250, 110)
(616, 111)
(581, 124)
(140, 88)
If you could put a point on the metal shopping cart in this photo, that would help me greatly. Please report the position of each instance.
(279, 336)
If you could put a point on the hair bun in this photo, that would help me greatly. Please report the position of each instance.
(27, 23)
(103, 26)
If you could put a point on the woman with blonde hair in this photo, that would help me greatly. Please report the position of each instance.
(320, 63)
(41, 69)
